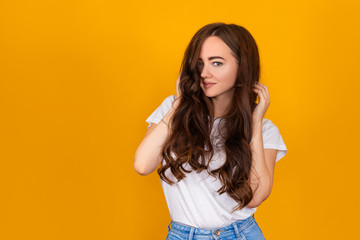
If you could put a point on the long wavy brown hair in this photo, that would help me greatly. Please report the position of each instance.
(193, 119)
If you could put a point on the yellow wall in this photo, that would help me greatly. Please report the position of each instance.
(79, 78)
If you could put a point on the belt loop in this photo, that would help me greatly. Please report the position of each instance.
(191, 234)
(236, 230)
(169, 226)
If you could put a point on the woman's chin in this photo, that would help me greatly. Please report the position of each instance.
(210, 95)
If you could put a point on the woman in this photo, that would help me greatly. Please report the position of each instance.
(216, 150)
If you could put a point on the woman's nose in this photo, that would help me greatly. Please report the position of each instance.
(205, 73)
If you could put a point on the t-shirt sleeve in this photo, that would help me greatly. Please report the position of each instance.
(161, 111)
(272, 138)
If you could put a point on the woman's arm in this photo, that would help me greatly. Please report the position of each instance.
(262, 170)
(263, 162)
(148, 154)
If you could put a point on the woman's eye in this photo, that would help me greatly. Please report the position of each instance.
(200, 64)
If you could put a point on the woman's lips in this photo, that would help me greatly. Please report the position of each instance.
(209, 85)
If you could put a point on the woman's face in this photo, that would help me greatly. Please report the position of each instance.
(218, 68)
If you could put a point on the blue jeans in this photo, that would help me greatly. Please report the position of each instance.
(246, 229)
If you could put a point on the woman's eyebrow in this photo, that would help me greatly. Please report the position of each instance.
(213, 57)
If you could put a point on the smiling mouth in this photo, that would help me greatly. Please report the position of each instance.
(208, 85)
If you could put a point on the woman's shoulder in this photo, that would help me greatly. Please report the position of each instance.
(267, 123)
(170, 99)
(272, 138)
(269, 128)
(161, 110)
(167, 102)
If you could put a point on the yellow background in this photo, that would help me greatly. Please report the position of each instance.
(79, 78)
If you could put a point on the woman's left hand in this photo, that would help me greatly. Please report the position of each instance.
(264, 101)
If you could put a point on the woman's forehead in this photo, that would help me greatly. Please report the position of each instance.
(214, 47)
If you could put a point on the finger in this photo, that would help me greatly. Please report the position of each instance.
(257, 97)
(258, 91)
(264, 90)
(267, 92)
(259, 86)
(261, 96)
(261, 89)
(264, 94)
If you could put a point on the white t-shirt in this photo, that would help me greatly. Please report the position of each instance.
(194, 200)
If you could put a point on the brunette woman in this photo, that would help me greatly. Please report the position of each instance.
(211, 145)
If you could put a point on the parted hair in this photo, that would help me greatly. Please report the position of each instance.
(193, 119)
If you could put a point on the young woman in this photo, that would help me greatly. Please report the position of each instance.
(216, 151)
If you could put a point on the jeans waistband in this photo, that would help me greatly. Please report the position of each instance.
(235, 227)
